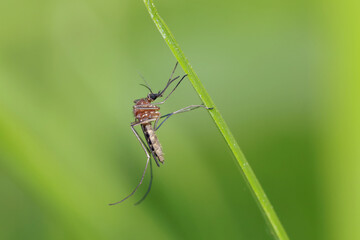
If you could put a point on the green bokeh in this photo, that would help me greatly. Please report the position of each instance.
(283, 74)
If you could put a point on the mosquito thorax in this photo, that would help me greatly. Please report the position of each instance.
(144, 110)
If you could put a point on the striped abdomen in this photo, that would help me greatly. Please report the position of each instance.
(153, 141)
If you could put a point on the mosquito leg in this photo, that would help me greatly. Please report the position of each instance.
(147, 163)
(152, 153)
(149, 188)
(143, 142)
(171, 91)
(172, 74)
(185, 109)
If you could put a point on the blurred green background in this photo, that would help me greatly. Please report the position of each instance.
(284, 74)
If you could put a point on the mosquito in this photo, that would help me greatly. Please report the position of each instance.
(147, 115)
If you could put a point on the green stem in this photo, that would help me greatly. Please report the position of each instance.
(255, 186)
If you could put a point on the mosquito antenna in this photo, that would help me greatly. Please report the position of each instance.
(132, 193)
(149, 188)
(146, 84)
(146, 87)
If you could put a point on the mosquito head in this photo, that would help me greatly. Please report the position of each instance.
(153, 96)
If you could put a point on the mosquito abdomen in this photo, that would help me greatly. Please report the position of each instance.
(153, 141)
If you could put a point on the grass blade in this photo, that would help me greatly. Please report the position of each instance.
(254, 184)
